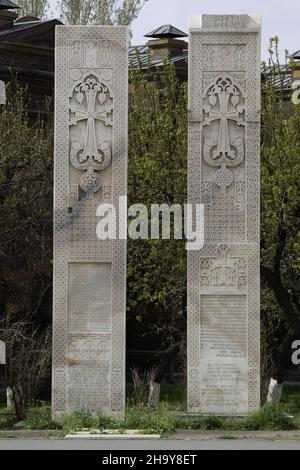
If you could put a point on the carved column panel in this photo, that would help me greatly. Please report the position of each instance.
(224, 159)
(90, 169)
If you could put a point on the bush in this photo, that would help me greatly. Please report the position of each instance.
(269, 418)
(40, 418)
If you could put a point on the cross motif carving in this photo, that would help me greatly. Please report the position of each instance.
(224, 105)
(91, 155)
(91, 89)
(223, 274)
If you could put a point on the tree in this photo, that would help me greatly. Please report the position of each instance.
(280, 243)
(28, 350)
(26, 159)
(106, 12)
(157, 174)
(37, 8)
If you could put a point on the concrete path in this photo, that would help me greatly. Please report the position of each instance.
(181, 440)
(130, 445)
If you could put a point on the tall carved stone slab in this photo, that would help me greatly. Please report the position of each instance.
(90, 169)
(224, 159)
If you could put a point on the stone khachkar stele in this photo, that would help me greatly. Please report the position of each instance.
(224, 175)
(91, 106)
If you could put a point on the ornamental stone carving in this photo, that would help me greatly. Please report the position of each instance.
(94, 103)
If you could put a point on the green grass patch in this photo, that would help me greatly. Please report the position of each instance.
(269, 418)
(149, 421)
(39, 418)
(6, 418)
(159, 420)
(5, 435)
(78, 421)
(164, 419)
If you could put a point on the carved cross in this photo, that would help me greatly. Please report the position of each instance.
(224, 92)
(223, 274)
(92, 90)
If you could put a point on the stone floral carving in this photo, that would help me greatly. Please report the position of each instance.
(225, 104)
(94, 103)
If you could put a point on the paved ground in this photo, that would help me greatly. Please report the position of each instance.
(181, 440)
(130, 445)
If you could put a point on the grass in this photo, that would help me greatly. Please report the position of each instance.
(6, 418)
(164, 420)
(5, 435)
(290, 402)
(149, 421)
(39, 417)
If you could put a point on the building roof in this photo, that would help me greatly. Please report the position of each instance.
(283, 79)
(296, 55)
(27, 27)
(166, 31)
(7, 5)
(139, 55)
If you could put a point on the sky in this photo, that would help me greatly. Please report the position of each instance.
(279, 17)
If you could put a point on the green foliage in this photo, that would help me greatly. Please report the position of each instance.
(104, 422)
(291, 399)
(6, 435)
(269, 418)
(37, 8)
(40, 418)
(152, 421)
(26, 160)
(165, 419)
(105, 12)
(280, 215)
(78, 421)
(6, 418)
(146, 420)
(157, 174)
(208, 423)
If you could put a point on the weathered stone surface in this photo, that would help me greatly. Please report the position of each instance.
(90, 168)
(223, 277)
(2, 352)
(2, 92)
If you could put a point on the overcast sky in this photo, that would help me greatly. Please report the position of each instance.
(279, 17)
